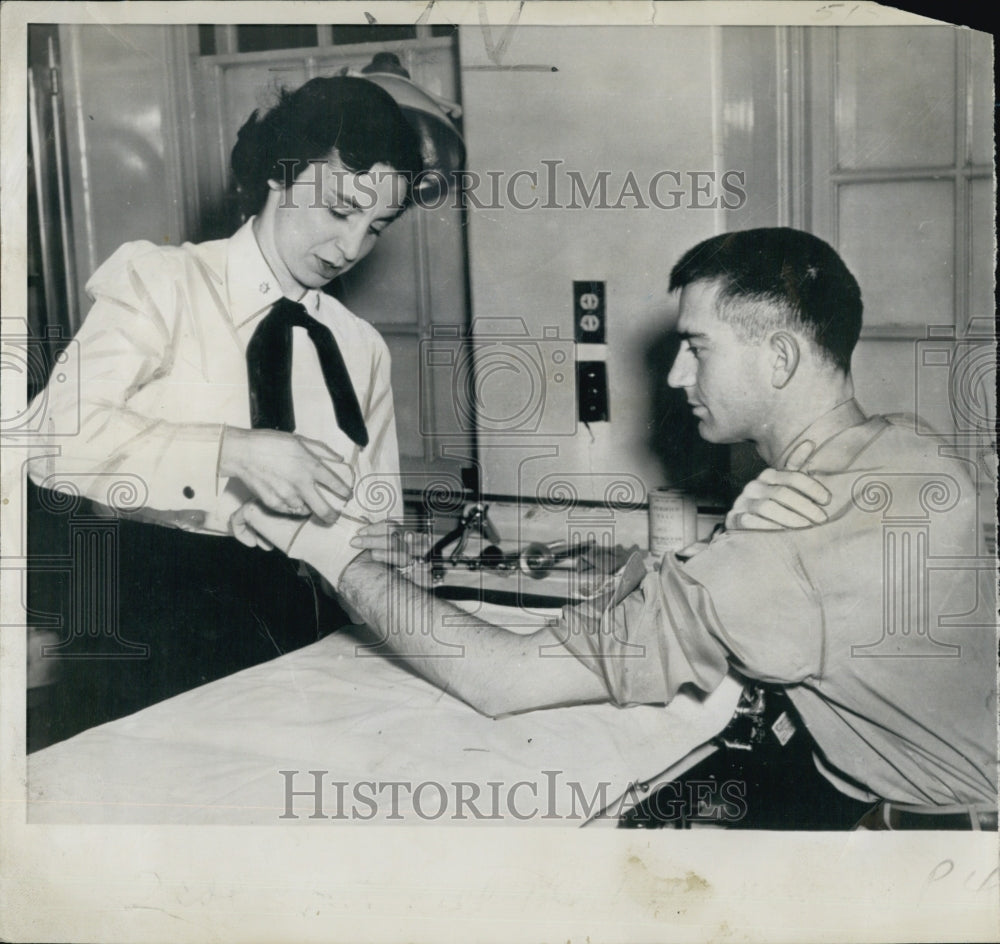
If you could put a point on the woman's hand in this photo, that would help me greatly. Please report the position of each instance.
(300, 538)
(779, 499)
(328, 548)
(242, 527)
(288, 474)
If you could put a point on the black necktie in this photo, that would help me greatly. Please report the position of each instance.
(269, 368)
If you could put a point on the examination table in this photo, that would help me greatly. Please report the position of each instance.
(241, 750)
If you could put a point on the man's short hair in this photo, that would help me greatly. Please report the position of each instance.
(779, 277)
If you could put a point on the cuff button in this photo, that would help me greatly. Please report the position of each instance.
(188, 491)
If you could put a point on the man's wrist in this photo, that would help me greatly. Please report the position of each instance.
(358, 572)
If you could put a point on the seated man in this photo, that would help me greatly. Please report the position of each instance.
(858, 619)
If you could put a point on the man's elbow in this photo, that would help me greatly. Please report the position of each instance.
(773, 670)
(493, 696)
(487, 700)
(486, 707)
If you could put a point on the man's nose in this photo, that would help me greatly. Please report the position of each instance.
(682, 372)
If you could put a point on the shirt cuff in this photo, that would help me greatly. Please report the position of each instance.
(193, 483)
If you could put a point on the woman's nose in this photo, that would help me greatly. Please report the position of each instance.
(351, 240)
(351, 244)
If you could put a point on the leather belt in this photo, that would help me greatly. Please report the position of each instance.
(886, 815)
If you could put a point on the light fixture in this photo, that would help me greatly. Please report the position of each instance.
(433, 117)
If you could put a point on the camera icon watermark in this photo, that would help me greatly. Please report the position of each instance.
(24, 360)
(968, 366)
(501, 381)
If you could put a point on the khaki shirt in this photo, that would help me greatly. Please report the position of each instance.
(880, 622)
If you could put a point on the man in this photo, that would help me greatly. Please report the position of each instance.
(896, 689)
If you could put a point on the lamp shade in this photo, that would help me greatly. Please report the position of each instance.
(441, 144)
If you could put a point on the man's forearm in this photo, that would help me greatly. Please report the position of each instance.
(488, 667)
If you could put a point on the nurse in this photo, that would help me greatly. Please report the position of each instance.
(214, 373)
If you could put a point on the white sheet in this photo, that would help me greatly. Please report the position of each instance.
(214, 754)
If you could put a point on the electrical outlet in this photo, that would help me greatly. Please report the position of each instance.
(592, 391)
(589, 314)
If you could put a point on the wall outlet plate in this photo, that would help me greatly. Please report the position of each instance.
(592, 391)
(589, 313)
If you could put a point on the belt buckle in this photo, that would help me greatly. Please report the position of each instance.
(987, 820)
(969, 819)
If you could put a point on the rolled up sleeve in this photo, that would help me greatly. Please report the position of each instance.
(647, 635)
(767, 613)
(745, 602)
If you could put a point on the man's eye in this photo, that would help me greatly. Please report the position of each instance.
(376, 230)
(339, 213)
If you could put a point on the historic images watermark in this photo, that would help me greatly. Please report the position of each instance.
(547, 185)
(311, 795)
(536, 369)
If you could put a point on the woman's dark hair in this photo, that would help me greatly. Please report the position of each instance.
(353, 116)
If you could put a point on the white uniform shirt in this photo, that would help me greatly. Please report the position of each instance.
(161, 361)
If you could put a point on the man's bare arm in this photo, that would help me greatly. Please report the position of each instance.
(495, 671)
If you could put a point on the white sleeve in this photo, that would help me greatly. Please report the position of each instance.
(92, 438)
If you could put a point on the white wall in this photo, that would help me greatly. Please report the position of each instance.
(123, 104)
(776, 104)
(622, 100)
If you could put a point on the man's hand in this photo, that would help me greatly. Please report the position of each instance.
(781, 499)
(288, 474)
(390, 543)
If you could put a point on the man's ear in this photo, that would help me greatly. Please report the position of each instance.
(785, 354)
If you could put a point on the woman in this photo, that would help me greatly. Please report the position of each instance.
(218, 372)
